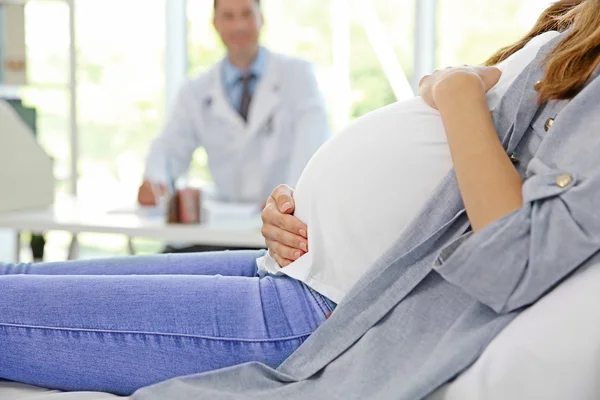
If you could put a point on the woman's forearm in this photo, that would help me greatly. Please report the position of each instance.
(489, 184)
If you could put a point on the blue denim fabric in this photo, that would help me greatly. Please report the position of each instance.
(120, 324)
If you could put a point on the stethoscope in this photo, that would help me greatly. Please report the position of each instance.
(267, 129)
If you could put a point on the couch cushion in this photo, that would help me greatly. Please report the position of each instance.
(19, 391)
(551, 351)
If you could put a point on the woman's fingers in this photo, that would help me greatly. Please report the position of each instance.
(425, 89)
(285, 235)
(423, 80)
(272, 216)
(280, 260)
(283, 198)
(489, 75)
(291, 224)
(283, 254)
(275, 234)
(279, 209)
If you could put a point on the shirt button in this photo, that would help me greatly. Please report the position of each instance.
(564, 180)
(514, 160)
(537, 85)
(548, 124)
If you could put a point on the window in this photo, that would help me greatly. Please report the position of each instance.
(121, 76)
(121, 91)
(471, 37)
(47, 35)
(120, 73)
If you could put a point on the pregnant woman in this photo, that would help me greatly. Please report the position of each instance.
(118, 325)
(405, 141)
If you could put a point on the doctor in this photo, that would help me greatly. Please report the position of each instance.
(259, 115)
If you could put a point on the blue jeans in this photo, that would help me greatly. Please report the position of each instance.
(120, 324)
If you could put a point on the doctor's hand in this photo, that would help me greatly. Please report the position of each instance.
(148, 192)
(285, 235)
(451, 79)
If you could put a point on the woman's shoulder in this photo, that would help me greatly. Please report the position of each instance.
(528, 52)
(542, 39)
(514, 65)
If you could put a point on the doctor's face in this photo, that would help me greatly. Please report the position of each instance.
(238, 22)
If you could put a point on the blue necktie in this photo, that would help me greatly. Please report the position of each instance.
(246, 95)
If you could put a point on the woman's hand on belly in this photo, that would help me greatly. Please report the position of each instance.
(487, 76)
(285, 235)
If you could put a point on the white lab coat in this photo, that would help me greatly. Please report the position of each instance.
(287, 123)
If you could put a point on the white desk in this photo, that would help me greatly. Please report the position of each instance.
(75, 217)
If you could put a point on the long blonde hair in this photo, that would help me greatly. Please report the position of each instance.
(575, 58)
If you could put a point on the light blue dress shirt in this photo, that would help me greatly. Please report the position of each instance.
(232, 74)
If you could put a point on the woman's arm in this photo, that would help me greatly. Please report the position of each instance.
(516, 259)
(489, 184)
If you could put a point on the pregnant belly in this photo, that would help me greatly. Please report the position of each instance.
(363, 187)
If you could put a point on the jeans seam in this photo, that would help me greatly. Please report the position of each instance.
(328, 306)
(320, 301)
(181, 335)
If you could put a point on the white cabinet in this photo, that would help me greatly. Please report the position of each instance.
(26, 178)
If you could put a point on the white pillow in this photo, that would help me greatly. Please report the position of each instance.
(551, 351)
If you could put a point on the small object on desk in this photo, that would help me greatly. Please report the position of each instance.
(172, 209)
(184, 207)
(37, 244)
(189, 206)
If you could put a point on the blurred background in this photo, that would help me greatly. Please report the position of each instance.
(132, 55)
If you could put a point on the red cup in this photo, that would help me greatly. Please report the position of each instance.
(184, 207)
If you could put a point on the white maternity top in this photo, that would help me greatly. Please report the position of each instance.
(366, 184)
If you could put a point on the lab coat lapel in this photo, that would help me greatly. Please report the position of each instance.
(266, 98)
(221, 108)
